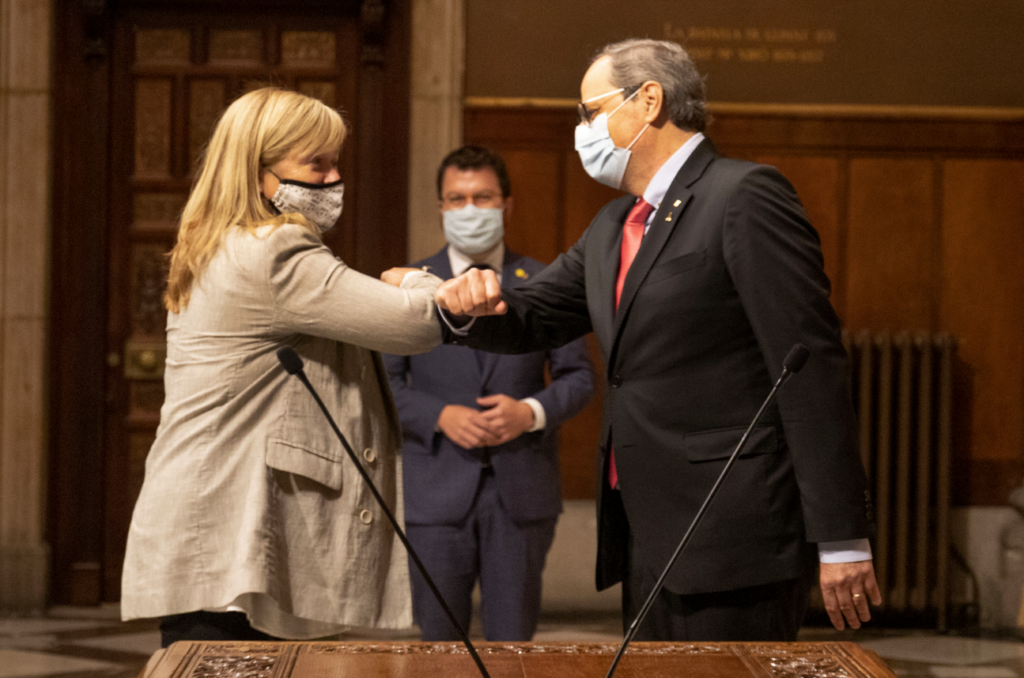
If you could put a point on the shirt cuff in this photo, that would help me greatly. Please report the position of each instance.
(849, 551)
(457, 331)
(540, 420)
(406, 277)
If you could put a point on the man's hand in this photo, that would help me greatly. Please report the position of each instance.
(466, 427)
(507, 417)
(476, 292)
(394, 276)
(846, 588)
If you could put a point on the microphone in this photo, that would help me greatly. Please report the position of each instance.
(292, 364)
(794, 362)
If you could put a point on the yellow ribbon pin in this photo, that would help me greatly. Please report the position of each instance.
(520, 273)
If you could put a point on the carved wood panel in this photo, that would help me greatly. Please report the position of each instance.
(524, 660)
(138, 88)
(177, 75)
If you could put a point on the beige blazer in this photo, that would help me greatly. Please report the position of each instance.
(249, 501)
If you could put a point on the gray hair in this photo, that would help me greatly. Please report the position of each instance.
(636, 61)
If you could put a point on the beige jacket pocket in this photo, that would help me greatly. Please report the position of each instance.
(292, 458)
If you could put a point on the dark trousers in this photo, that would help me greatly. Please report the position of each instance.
(770, 612)
(507, 557)
(204, 625)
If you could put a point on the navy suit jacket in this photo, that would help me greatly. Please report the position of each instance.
(728, 279)
(440, 477)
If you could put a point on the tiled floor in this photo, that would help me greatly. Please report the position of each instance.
(94, 643)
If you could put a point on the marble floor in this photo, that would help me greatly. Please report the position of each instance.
(72, 642)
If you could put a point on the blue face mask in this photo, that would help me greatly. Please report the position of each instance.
(472, 229)
(602, 159)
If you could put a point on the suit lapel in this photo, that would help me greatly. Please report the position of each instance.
(668, 215)
(602, 314)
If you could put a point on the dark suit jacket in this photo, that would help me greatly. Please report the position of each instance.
(440, 477)
(729, 277)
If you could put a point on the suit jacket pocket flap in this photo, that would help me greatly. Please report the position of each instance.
(719, 444)
(678, 265)
(286, 456)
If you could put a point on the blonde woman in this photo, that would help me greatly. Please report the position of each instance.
(251, 522)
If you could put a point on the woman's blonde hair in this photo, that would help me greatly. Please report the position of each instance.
(255, 132)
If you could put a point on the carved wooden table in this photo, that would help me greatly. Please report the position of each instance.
(513, 660)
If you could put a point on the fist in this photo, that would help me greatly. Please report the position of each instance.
(474, 293)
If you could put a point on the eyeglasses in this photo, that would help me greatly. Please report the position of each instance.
(586, 115)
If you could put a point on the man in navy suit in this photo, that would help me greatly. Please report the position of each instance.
(697, 284)
(480, 457)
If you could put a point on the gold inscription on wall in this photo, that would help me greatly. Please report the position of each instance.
(753, 45)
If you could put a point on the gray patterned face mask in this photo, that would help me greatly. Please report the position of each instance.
(320, 203)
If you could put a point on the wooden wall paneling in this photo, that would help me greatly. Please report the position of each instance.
(879, 189)
(770, 131)
(889, 244)
(817, 181)
(982, 304)
(520, 127)
(536, 225)
(584, 198)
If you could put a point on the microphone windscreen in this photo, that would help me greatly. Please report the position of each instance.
(290, 360)
(796, 359)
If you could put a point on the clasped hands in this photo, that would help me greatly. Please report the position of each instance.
(504, 419)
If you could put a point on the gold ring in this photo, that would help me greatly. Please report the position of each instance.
(856, 595)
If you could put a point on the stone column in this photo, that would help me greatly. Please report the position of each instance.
(24, 277)
(435, 125)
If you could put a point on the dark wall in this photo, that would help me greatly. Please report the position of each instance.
(914, 52)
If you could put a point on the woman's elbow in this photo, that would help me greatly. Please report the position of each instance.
(420, 338)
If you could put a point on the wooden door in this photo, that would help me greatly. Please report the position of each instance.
(170, 69)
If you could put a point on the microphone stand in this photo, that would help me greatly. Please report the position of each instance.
(293, 365)
(794, 361)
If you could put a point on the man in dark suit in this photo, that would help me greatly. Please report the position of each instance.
(697, 285)
(480, 459)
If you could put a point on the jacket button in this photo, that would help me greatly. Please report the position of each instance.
(369, 455)
(616, 381)
(366, 516)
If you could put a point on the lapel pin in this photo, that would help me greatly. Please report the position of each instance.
(677, 203)
(520, 273)
(669, 217)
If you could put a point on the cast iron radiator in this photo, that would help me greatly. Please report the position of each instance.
(902, 392)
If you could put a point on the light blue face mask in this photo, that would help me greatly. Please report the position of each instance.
(602, 159)
(472, 229)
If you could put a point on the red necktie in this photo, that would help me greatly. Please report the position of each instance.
(632, 234)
